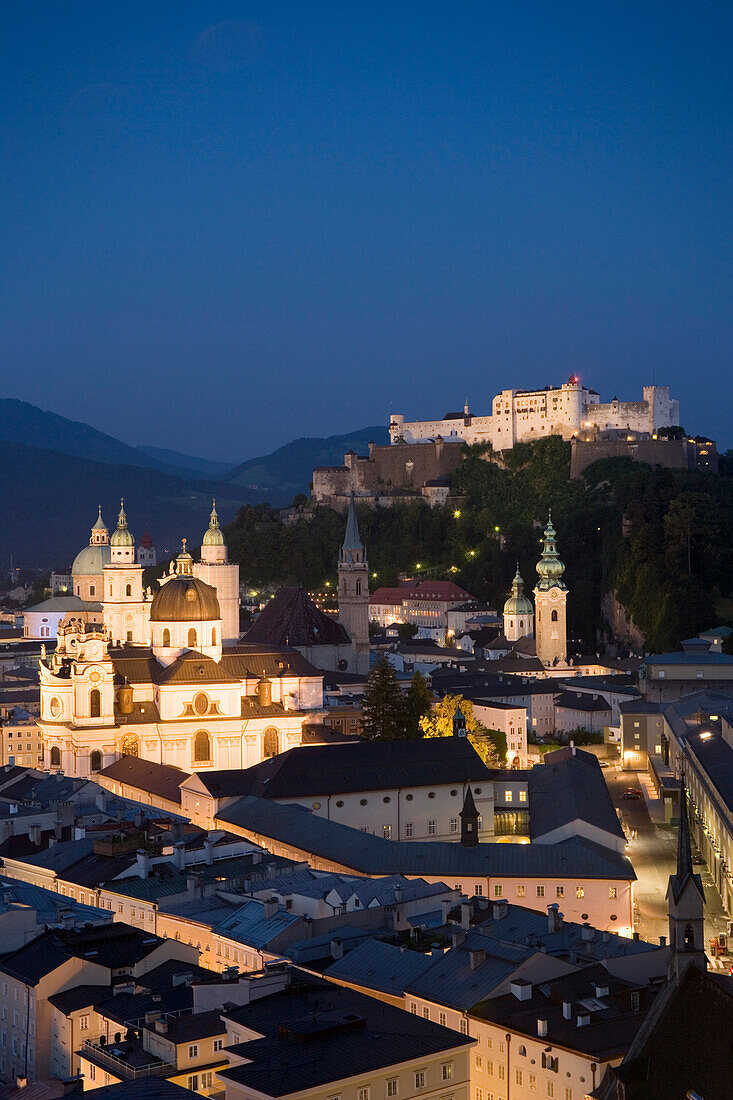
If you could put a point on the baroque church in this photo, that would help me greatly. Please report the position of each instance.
(545, 621)
(164, 676)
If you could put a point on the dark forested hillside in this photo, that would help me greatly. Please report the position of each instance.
(661, 539)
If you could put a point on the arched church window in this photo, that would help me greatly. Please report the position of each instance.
(94, 703)
(166, 638)
(55, 707)
(521, 624)
(553, 616)
(271, 742)
(92, 590)
(192, 640)
(95, 761)
(128, 590)
(129, 746)
(201, 747)
(55, 756)
(110, 590)
(213, 635)
(358, 588)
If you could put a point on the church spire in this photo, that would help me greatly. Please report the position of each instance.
(549, 568)
(469, 820)
(685, 873)
(352, 539)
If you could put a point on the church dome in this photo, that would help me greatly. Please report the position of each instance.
(518, 603)
(185, 599)
(122, 536)
(213, 536)
(90, 561)
(549, 568)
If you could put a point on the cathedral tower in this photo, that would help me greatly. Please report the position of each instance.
(353, 591)
(550, 597)
(685, 902)
(123, 606)
(518, 612)
(215, 569)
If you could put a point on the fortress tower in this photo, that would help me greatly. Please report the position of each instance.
(550, 597)
(353, 591)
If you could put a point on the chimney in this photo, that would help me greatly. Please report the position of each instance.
(542, 1028)
(445, 908)
(588, 933)
(397, 894)
(337, 949)
(601, 990)
(143, 864)
(209, 851)
(521, 988)
(501, 908)
(193, 884)
(21, 1082)
(554, 917)
(567, 1010)
(476, 959)
(34, 834)
(161, 1026)
(584, 1019)
(465, 914)
(572, 747)
(436, 951)
(662, 941)
(457, 939)
(636, 935)
(269, 907)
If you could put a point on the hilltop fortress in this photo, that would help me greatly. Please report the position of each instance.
(522, 416)
(422, 454)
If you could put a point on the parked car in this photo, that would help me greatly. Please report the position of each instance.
(632, 793)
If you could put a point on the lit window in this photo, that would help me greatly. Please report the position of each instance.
(447, 1071)
(520, 891)
(508, 796)
(612, 892)
(579, 892)
(540, 891)
(522, 796)
(498, 891)
(560, 892)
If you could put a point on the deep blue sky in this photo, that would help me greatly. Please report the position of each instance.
(226, 224)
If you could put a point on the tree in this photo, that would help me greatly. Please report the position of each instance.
(418, 702)
(489, 744)
(406, 631)
(383, 716)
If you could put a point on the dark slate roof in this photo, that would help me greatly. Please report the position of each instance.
(372, 855)
(138, 665)
(581, 700)
(684, 1046)
(612, 1022)
(380, 966)
(570, 787)
(353, 766)
(81, 996)
(715, 757)
(291, 618)
(187, 1029)
(314, 1034)
(146, 1088)
(114, 946)
(689, 659)
(160, 779)
(194, 668)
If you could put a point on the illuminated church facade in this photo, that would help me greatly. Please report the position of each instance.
(163, 676)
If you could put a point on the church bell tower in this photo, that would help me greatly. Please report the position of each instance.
(685, 902)
(550, 597)
(353, 591)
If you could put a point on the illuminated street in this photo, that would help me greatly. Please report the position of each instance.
(653, 853)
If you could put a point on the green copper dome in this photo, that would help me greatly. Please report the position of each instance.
(122, 536)
(549, 568)
(213, 536)
(90, 561)
(518, 603)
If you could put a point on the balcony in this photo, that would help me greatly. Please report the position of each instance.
(128, 1060)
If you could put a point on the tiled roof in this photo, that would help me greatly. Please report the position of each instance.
(291, 618)
(355, 766)
(570, 786)
(313, 1034)
(367, 854)
(194, 668)
(160, 779)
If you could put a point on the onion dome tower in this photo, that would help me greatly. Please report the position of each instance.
(518, 612)
(88, 568)
(216, 570)
(551, 595)
(123, 606)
